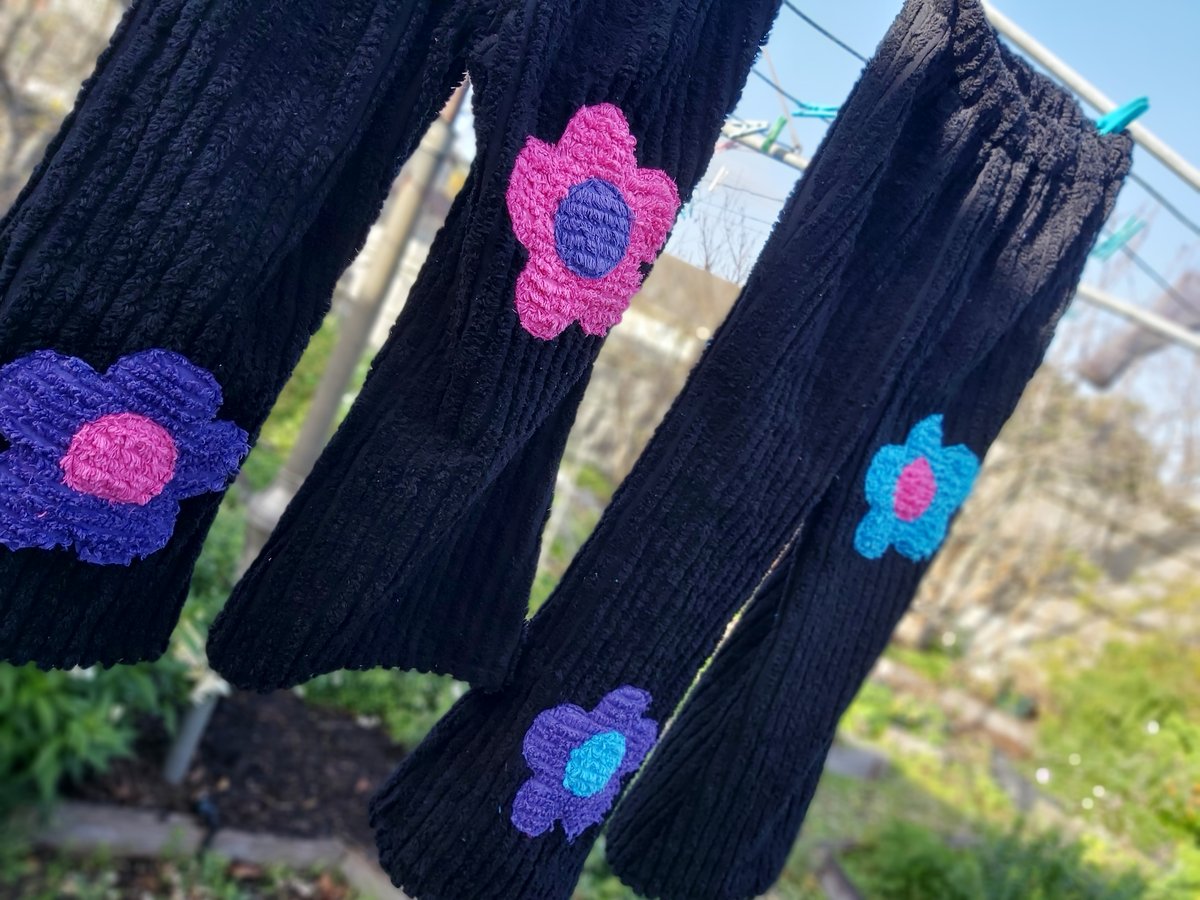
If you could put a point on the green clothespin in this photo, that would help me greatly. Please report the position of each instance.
(1120, 118)
(773, 133)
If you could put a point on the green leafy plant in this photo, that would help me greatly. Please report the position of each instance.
(598, 881)
(1120, 741)
(877, 707)
(283, 426)
(934, 662)
(65, 724)
(908, 862)
(405, 703)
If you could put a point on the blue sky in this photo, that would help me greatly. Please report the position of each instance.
(1126, 50)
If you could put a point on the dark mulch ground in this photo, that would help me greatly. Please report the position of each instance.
(267, 763)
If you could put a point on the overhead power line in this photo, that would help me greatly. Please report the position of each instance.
(733, 212)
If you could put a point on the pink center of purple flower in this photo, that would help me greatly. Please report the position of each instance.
(915, 489)
(592, 227)
(121, 457)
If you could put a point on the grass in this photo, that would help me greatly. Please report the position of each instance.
(934, 663)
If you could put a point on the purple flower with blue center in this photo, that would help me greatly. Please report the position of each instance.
(578, 760)
(99, 463)
(913, 489)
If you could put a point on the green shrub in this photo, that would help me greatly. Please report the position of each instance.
(60, 725)
(56, 725)
(283, 426)
(590, 478)
(934, 662)
(909, 862)
(878, 707)
(216, 568)
(1121, 741)
(205, 876)
(598, 881)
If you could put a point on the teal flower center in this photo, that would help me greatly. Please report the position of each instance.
(593, 763)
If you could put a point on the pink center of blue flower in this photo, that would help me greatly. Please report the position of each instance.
(121, 457)
(593, 763)
(915, 489)
(592, 227)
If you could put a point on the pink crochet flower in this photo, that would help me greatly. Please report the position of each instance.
(589, 218)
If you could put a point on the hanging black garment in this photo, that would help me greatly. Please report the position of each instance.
(413, 543)
(767, 709)
(160, 275)
(899, 307)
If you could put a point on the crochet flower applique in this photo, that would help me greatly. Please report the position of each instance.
(578, 759)
(589, 218)
(100, 462)
(913, 489)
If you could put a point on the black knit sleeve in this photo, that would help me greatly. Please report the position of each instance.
(414, 541)
(160, 275)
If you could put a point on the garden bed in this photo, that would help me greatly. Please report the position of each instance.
(44, 874)
(267, 763)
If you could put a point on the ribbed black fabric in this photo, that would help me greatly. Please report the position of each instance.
(717, 809)
(219, 171)
(920, 262)
(413, 543)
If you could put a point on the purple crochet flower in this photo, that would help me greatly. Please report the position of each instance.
(100, 462)
(578, 759)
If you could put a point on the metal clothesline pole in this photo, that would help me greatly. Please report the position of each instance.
(1142, 135)
(755, 140)
(1145, 318)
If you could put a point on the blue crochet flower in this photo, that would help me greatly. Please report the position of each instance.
(913, 489)
(579, 758)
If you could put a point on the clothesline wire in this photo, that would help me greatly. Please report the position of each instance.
(753, 193)
(1154, 275)
(1166, 204)
(824, 31)
(775, 87)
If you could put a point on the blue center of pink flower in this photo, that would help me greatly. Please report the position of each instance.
(915, 489)
(592, 228)
(593, 763)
